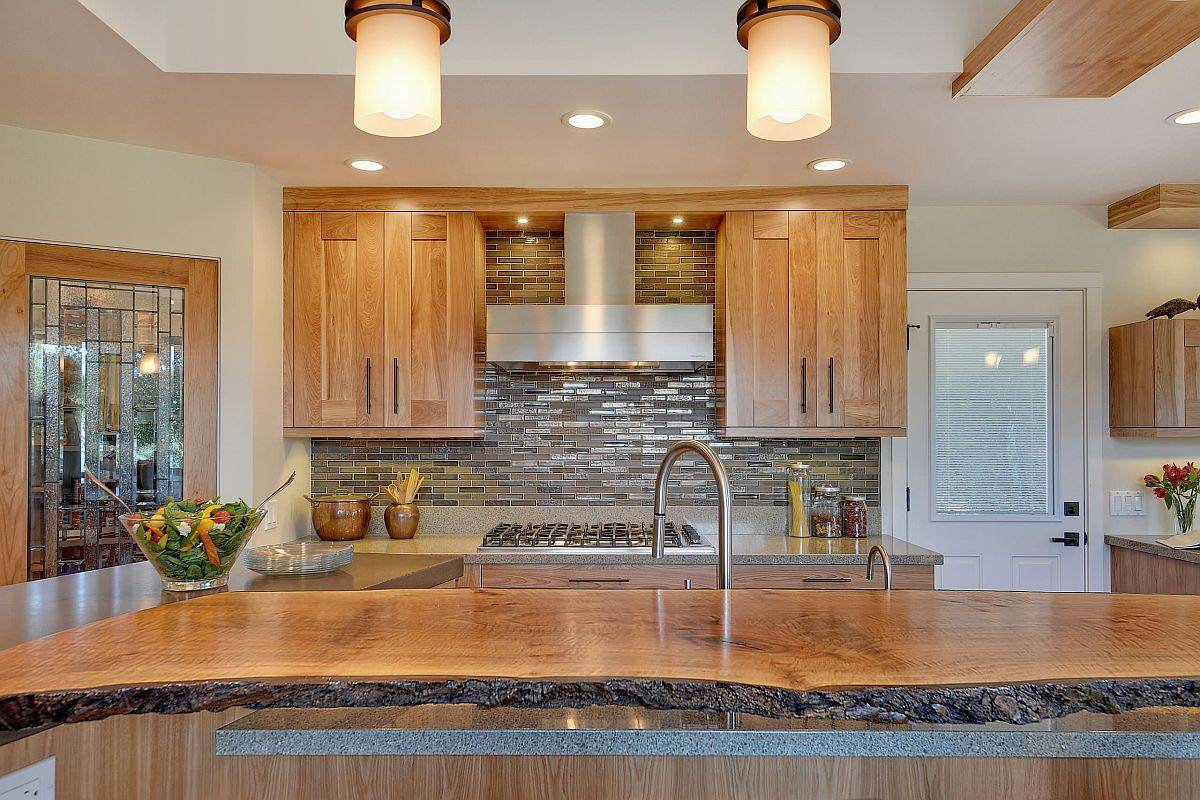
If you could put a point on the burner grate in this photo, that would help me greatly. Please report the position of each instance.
(608, 535)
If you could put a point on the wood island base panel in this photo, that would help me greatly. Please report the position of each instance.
(921, 656)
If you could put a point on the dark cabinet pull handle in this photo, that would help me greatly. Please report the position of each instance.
(804, 386)
(831, 385)
(828, 580)
(368, 387)
(597, 580)
(395, 386)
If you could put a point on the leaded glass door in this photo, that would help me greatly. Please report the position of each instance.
(106, 394)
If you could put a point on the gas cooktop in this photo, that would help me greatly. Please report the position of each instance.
(563, 537)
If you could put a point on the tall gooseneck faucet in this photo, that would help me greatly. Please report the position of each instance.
(724, 509)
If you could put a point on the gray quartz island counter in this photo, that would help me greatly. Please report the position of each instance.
(1150, 545)
(465, 730)
(748, 549)
(40, 608)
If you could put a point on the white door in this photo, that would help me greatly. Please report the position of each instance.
(996, 443)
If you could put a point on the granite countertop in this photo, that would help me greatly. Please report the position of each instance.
(40, 608)
(468, 730)
(747, 549)
(1149, 544)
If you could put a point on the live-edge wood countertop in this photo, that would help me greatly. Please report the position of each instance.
(922, 656)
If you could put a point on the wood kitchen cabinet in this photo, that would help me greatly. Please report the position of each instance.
(811, 323)
(383, 323)
(1154, 379)
(745, 576)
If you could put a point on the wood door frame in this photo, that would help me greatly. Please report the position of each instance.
(21, 260)
(894, 452)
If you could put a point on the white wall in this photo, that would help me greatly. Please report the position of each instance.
(1141, 269)
(71, 190)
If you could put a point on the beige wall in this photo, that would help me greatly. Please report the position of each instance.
(79, 191)
(1141, 269)
(72, 190)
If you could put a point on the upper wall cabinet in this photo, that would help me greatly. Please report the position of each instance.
(1154, 378)
(383, 317)
(811, 323)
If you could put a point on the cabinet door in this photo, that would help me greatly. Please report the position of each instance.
(1176, 373)
(861, 277)
(337, 299)
(433, 267)
(1191, 373)
(812, 325)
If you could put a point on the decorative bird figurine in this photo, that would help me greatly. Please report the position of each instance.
(1173, 308)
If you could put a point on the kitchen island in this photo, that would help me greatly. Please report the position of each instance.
(884, 658)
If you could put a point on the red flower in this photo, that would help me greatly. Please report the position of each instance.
(1160, 493)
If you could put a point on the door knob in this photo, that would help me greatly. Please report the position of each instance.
(1070, 539)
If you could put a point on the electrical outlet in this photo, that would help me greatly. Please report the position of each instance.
(34, 782)
(272, 518)
(1126, 504)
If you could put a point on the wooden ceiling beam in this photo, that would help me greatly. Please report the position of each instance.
(1076, 48)
(1168, 205)
(533, 202)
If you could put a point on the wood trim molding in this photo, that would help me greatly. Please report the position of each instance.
(513, 201)
(1076, 48)
(19, 261)
(813, 433)
(1167, 205)
(382, 433)
(1155, 433)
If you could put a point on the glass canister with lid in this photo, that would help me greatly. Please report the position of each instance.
(797, 484)
(826, 512)
(854, 516)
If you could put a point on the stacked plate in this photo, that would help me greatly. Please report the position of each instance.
(299, 558)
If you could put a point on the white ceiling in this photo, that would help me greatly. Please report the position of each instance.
(539, 37)
(62, 69)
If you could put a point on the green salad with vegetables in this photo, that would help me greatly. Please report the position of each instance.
(194, 540)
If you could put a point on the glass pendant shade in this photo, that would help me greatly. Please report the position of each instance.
(788, 86)
(398, 75)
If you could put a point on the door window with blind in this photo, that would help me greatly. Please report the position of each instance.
(993, 420)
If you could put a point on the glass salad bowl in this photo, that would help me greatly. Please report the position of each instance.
(193, 543)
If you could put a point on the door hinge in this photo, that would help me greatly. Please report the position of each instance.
(908, 336)
(907, 498)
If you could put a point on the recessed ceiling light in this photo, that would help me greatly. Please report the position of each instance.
(364, 164)
(677, 220)
(522, 220)
(1189, 117)
(829, 164)
(587, 120)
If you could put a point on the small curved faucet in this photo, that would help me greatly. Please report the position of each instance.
(724, 509)
(887, 566)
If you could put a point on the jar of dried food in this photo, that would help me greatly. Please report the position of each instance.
(826, 512)
(797, 484)
(854, 516)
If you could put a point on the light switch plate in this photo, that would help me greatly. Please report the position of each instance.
(34, 782)
(1126, 504)
(272, 518)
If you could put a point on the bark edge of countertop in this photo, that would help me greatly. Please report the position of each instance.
(1018, 703)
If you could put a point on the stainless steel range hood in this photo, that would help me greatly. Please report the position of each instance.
(601, 327)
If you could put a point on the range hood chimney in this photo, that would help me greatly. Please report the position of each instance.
(601, 327)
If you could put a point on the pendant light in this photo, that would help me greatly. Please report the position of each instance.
(398, 64)
(787, 86)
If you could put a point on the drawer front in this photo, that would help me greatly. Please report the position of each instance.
(595, 576)
(752, 576)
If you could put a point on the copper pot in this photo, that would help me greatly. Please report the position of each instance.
(402, 520)
(342, 516)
